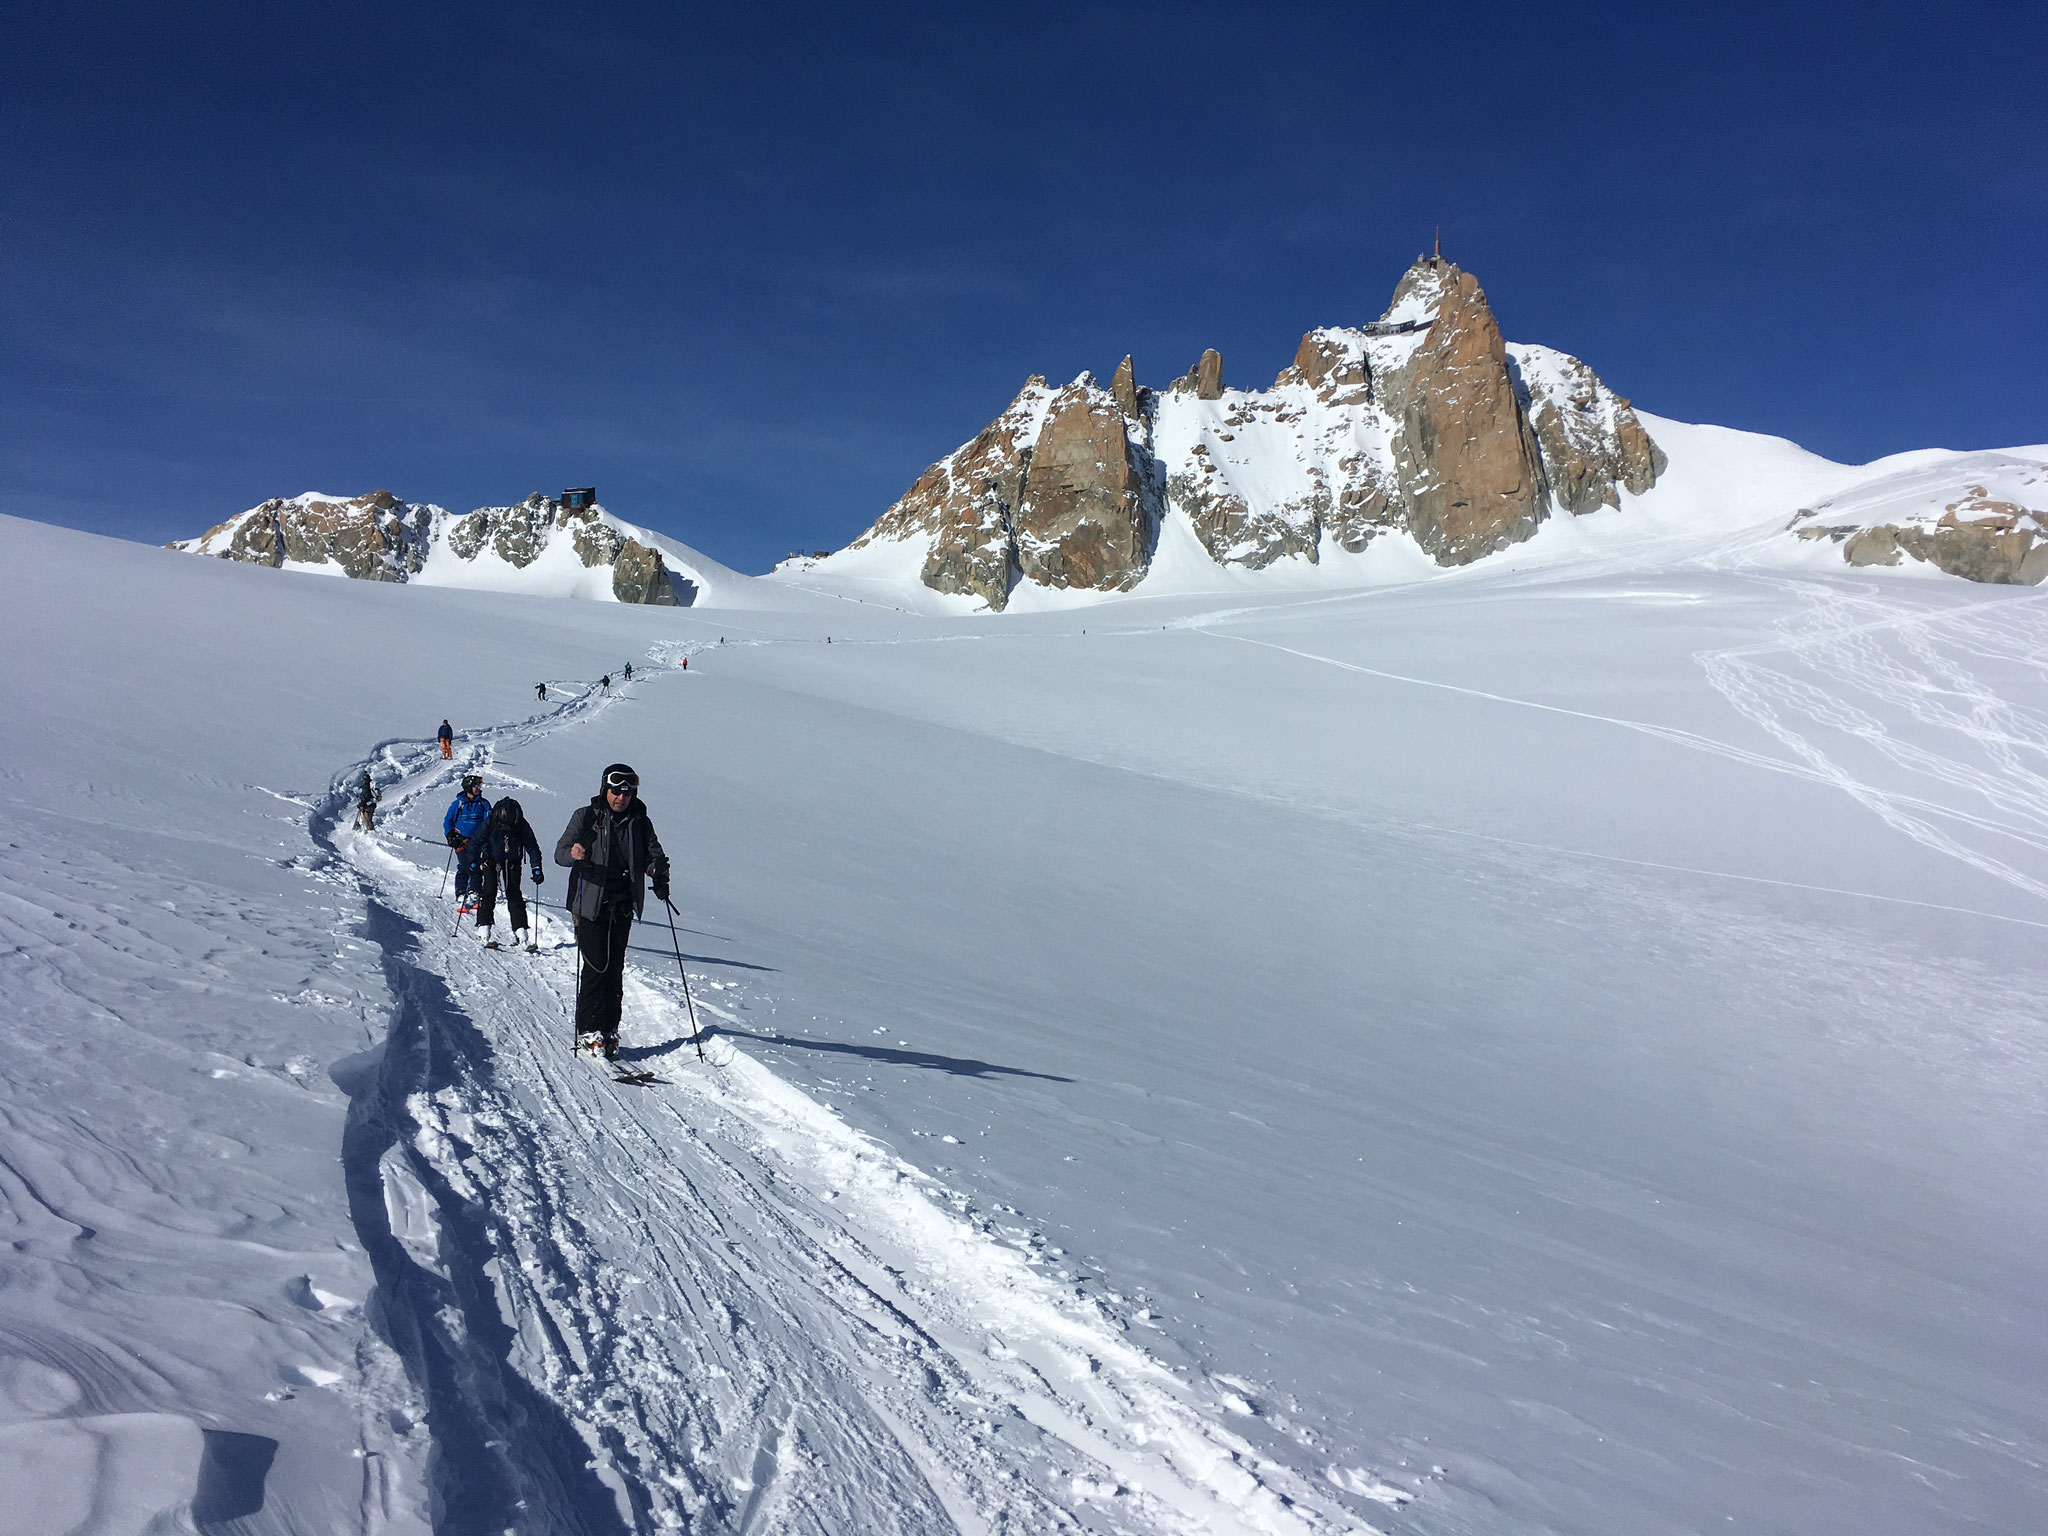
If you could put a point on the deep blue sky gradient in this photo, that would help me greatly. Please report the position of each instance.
(749, 269)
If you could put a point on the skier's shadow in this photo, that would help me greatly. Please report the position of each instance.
(958, 1066)
(444, 1320)
(688, 958)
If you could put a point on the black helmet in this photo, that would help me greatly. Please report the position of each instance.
(508, 813)
(619, 776)
(473, 781)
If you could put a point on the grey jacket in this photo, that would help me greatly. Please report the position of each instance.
(619, 854)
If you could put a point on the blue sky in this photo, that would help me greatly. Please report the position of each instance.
(749, 269)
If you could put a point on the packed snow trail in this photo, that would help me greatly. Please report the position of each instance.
(706, 1303)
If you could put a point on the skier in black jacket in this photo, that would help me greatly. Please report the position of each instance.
(367, 797)
(499, 843)
(609, 848)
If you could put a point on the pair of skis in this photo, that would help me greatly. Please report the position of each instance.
(641, 1079)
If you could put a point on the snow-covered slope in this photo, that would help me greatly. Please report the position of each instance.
(1553, 1047)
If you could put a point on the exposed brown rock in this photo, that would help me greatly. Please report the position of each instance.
(1367, 503)
(1467, 462)
(1414, 421)
(1123, 388)
(516, 534)
(380, 537)
(1232, 532)
(1589, 436)
(2017, 558)
(640, 575)
(1082, 520)
(1329, 368)
(965, 502)
(372, 538)
(1862, 546)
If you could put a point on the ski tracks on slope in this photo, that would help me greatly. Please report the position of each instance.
(708, 1304)
(1886, 683)
(1854, 673)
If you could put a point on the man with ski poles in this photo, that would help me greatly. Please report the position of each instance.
(609, 848)
(467, 813)
(505, 836)
(367, 796)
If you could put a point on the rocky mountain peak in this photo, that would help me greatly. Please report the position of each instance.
(380, 537)
(1083, 519)
(1424, 423)
(1333, 363)
(1466, 459)
(1420, 290)
(1123, 387)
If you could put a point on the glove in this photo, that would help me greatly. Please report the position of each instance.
(456, 839)
(536, 874)
(661, 889)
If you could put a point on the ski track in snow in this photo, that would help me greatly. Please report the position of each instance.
(707, 1303)
(1910, 663)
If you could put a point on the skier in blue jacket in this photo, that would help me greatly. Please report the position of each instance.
(467, 813)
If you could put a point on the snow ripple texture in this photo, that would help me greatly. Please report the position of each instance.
(706, 1303)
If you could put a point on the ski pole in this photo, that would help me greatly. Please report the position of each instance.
(696, 1034)
(444, 870)
(576, 1013)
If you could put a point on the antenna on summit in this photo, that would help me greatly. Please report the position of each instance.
(1436, 256)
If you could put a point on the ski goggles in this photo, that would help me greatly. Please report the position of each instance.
(621, 783)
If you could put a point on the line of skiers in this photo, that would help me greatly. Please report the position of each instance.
(540, 689)
(612, 854)
(609, 848)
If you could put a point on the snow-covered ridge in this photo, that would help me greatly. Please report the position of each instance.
(543, 546)
(1979, 515)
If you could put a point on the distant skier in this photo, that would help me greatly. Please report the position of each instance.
(447, 740)
(609, 847)
(686, 663)
(505, 836)
(466, 815)
(367, 798)
(605, 682)
(540, 690)
(629, 671)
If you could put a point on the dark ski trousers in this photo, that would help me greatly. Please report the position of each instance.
(465, 868)
(487, 896)
(601, 993)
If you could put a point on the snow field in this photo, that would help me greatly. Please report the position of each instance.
(1553, 1047)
